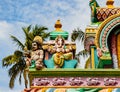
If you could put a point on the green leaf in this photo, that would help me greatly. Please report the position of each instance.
(77, 34)
(17, 42)
(83, 53)
(7, 61)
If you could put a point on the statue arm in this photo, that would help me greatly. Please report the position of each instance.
(68, 48)
(39, 61)
(41, 55)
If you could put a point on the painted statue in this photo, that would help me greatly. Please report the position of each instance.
(35, 58)
(61, 52)
(93, 4)
(62, 56)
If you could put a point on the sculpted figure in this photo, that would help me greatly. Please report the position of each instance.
(61, 52)
(36, 56)
(93, 5)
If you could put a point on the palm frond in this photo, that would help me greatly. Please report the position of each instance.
(13, 76)
(13, 73)
(74, 35)
(28, 44)
(26, 31)
(42, 29)
(7, 61)
(39, 30)
(18, 53)
(17, 42)
(12, 59)
(20, 65)
(77, 58)
(77, 34)
(83, 53)
(12, 80)
(31, 36)
(81, 35)
(29, 28)
(45, 35)
(15, 70)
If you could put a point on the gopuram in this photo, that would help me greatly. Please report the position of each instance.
(52, 64)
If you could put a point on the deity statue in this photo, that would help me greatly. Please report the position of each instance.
(35, 60)
(61, 53)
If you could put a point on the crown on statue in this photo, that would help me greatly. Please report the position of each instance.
(38, 39)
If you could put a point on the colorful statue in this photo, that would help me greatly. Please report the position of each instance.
(61, 52)
(35, 60)
(93, 4)
(62, 55)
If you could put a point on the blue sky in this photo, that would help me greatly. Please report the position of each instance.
(15, 14)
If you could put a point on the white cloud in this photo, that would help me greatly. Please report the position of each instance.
(10, 90)
(7, 46)
(5, 29)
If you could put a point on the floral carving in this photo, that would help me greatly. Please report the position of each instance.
(42, 82)
(75, 81)
(93, 82)
(110, 81)
(59, 81)
(106, 31)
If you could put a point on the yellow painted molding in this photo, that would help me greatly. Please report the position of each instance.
(118, 49)
(92, 58)
(110, 87)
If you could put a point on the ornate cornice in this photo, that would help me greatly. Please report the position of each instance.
(75, 73)
(105, 28)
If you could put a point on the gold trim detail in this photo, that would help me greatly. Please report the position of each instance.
(100, 28)
(92, 58)
(75, 87)
(118, 49)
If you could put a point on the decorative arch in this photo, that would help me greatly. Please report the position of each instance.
(104, 30)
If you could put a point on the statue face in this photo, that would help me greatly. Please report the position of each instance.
(34, 46)
(60, 42)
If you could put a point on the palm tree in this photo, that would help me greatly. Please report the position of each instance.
(16, 61)
(78, 34)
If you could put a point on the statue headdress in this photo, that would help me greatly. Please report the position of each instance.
(38, 39)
